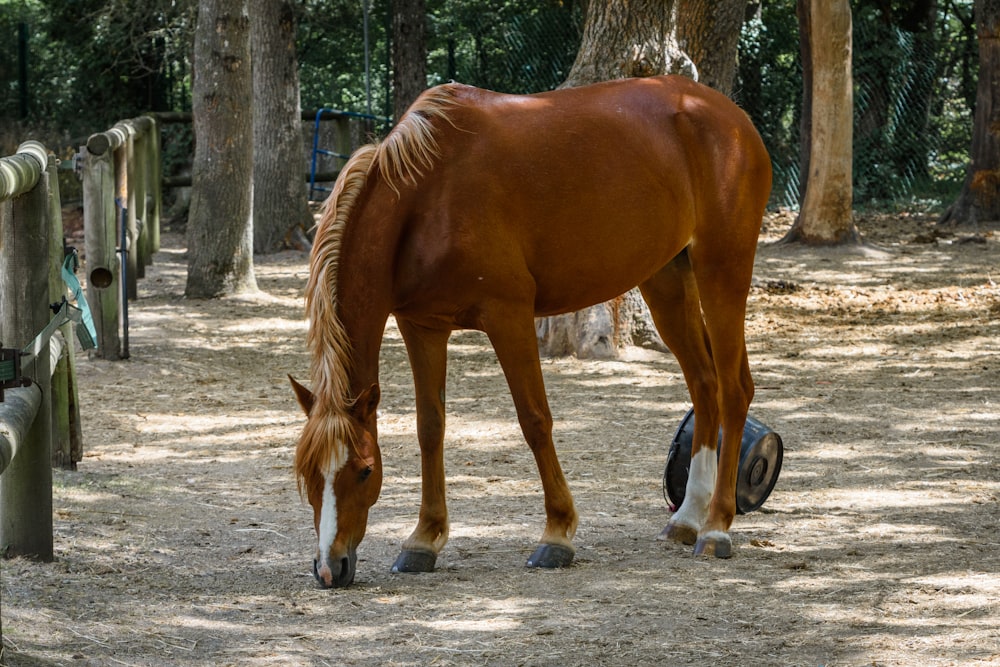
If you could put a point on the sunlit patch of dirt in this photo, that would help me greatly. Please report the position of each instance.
(181, 539)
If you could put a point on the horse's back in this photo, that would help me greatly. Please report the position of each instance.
(628, 124)
(586, 191)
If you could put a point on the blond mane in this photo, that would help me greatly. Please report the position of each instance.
(401, 159)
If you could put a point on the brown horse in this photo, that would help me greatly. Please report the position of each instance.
(481, 211)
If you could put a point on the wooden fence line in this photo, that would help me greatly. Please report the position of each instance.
(25, 231)
(122, 204)
(39, 422)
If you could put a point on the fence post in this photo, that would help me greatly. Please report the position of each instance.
(154, 186)
(139, 184)
(124, 160)
(99, 224)
(26, 485)
(67, 437)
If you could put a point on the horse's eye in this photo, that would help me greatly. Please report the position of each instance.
(365, 474)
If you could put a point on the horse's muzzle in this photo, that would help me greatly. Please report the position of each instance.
(336, 572)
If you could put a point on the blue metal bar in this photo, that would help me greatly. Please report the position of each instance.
(317, 151)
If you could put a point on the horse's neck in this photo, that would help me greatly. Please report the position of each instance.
(364, 291)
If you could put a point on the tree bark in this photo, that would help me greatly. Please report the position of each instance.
(805, 121)
(708, 31)
(280, 194)
(626, 38)
(220, 224)
(409, 53)
(826, 217)
(979, 199)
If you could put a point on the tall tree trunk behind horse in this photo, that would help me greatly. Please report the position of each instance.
(280, 195)
(980, 196)
(220, 225)
(623, 39)
(826, 217)
(409, 53)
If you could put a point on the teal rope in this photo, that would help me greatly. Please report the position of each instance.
(87, 334)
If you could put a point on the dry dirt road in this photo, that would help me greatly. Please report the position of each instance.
(181, 540)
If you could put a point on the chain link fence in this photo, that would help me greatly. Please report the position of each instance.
(504, 49)
(914, 91)
(912, 117)
(912, 107)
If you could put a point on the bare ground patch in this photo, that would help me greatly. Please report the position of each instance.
(182, 540)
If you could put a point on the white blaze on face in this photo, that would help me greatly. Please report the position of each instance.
(328, 516)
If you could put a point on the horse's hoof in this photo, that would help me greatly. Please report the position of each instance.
(679, 532)
(716, 544)
(415, 561)
(551, 556)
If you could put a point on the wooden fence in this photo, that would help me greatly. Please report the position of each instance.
(121, 220)
(39, 423)
(39, 412)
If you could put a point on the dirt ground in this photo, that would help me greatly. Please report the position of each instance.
(181, 539)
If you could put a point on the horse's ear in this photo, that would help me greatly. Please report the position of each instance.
(366, 403)
(303, 395)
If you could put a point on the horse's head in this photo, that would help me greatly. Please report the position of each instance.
(339, 466)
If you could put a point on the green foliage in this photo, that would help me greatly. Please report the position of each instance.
(92, 62)
(332, 55)
(769, 88)
(517, 46)
(913, 93)
(514, 46)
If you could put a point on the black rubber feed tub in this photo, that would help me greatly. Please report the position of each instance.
(761, 453)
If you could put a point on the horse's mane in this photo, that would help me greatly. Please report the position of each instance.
(401, 159)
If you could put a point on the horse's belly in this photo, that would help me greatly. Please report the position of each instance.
(591, 273)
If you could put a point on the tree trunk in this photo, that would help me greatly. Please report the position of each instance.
(220, 224)
(625, 38)
(826, 217)
(709, 33)
(979, 199)
(805, 120)
(409, 53)
(280, 194)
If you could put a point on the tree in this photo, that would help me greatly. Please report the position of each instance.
(623, 38)
(980, 195)
(805, 120)
(220, 224)
(709, 32)
(409, 53)
(280, 197)
(826, 216)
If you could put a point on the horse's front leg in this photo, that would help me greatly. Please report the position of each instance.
(513, 338)
(428, 353)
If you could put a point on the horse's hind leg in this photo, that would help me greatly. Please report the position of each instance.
(673, 300)
(723, 267)
(428, 353)
(512, 332)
